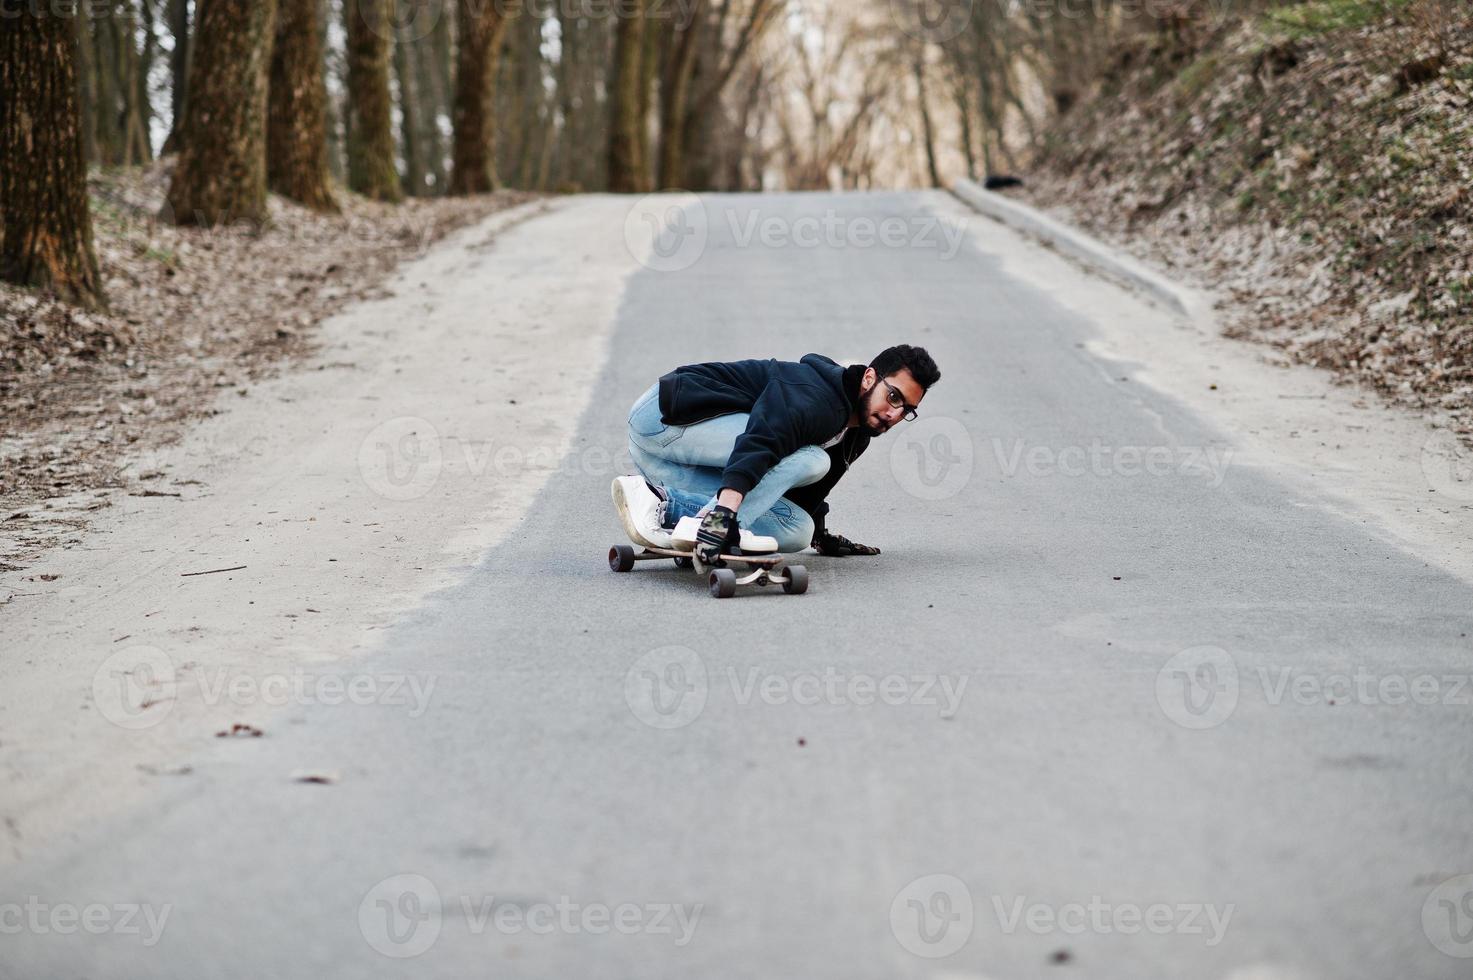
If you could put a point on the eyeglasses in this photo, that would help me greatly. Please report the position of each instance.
(897, 400)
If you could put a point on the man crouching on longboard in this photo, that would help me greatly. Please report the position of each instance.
(766, 440)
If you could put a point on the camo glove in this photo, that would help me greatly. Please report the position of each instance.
(719, 533)
(838, 546)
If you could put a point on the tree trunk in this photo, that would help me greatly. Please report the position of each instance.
(675, 101)
(583, 140)
(649, 63)
(531, 98)
(964, 116)
(926, 129)
(409, 110)
(47, 236)
(626, 125)
(335, 69)
(510, 114)
(107, 113)
(86, 70)
(473, 156)
(434, 100)
(178, 70)
(221, 174)
(145, 68)
(132, 82)
(296, 120)
(371, 170)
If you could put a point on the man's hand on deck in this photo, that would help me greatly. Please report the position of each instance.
(718, 533)
(838, 546)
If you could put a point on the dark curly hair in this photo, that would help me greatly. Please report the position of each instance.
(906, 357)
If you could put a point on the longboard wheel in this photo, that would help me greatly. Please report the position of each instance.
(621, 558)
(723, 583)
(797, 582)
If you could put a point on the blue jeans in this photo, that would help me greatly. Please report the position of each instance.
(687, 460)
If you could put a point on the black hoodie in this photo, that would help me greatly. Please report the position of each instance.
(791, 405)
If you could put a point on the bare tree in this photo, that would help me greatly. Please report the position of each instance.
(929, 134)
(296, 129)
(842, 70)
(628, 125)
(410, 107)
(221, 174)
(705, 57)
(480, 24)
(583, 111)
(371, 170)
(178, 16)
(46, 240)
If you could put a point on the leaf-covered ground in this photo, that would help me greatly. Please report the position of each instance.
(1314, 164)
(193, 313)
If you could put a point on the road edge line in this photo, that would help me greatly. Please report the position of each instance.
(1093, 254)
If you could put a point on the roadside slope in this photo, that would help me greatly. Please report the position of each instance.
(1311, 164)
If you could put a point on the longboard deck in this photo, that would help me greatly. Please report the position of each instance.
(771, 558)
(768, 569)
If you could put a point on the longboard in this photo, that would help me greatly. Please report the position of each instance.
(762, 570)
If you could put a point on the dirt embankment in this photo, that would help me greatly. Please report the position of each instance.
(1314, 164)
(193, 314)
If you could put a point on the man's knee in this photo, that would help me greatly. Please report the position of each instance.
(792, 526)
(812, 465)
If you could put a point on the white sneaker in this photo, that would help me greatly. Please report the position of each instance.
(640, 509)
(683, 538)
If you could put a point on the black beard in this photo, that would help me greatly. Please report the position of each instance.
(867, 411)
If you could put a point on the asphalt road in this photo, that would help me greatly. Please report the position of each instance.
(1108, 705)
